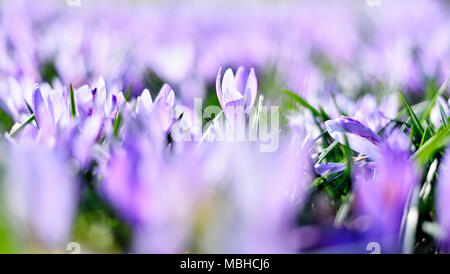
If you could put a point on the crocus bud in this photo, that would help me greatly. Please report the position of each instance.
(360, 137)
(237, 90)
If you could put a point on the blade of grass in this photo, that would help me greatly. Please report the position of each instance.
(13, 133)
(29, 107)
(427, 186)
(344, 210)
(348, 155)
(73, 106)
(414, 120)
(326, 152)
(410, 220)
(438, 141)
(305, 104)
(117, 124)
(430, 107)
(424, 137)
(402, 112)
(443, 115)
(128, 93)
(314, 141)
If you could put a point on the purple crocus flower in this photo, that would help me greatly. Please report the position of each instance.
(254, 211)
(381, 195)
(40, 193)
(374, 115)
(163, 107)
(44, 116)
(142, 186)
(158, 115)
(360, 137)
(84, 137)
(13, 95)
(236, 90)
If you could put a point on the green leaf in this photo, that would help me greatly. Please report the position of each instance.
(128, 93)
(443, 115)
(424, 136)
(73, 106)
(348, 155)
(6, 122)
(430, 107)
(305, 104)
(435, 143)
(117, 124)
(412, 116)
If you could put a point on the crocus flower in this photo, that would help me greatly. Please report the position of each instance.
(40, 193)
(374, 115)
(142, 186)
(360, 137)
(163, 107)
(381, 195)
(44, 115)
(84, 137)
(239, 90)
(255, 211)
(13, 97)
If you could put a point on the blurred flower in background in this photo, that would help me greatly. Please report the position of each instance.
(40, 195)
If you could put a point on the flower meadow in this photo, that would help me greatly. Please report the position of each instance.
(225, 126)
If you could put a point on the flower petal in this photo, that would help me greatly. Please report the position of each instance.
(360, 138)
(251, 89)
(241, 80)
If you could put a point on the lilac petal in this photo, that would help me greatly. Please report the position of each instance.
(89, 132)
(144, 102)
(101, 95)
(230, 93)
(389, 107)
(241, 79)
(38, 105)
(51, 113)
(218, 87)
(360, 138)
(228, 81)
(251, 89)
(163, 107)
(329, 168)
(41, 193)
(167, 95)
(382, 194)
(146, 99)
(84, 94)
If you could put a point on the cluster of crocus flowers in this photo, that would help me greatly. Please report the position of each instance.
(162, 189)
